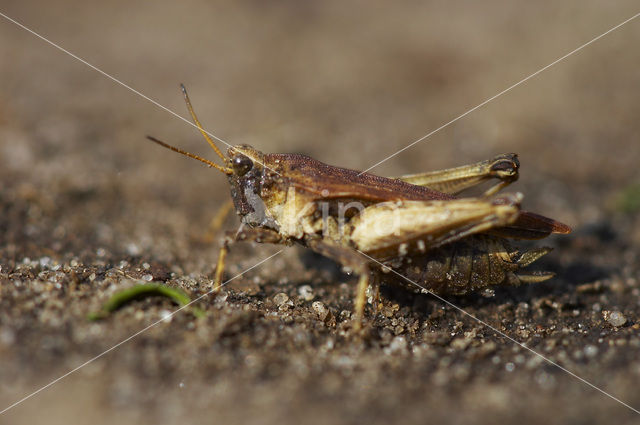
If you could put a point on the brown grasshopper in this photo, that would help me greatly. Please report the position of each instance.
(413, 225)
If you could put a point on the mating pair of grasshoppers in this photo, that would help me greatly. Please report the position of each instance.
(413, 226)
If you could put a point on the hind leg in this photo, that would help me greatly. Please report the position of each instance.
(454, 180)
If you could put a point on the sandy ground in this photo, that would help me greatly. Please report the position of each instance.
(88, 206)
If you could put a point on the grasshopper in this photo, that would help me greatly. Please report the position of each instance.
(414, 225)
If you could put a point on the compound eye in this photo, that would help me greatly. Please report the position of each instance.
(242, 165)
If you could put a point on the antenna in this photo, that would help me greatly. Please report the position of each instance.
(190, 155)
(197, 122)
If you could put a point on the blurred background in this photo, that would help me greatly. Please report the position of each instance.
(347, 83)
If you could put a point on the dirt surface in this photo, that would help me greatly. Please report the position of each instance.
(88, 207)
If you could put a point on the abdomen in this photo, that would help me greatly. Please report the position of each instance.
(471, 264)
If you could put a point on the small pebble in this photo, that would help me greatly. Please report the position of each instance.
(615, 318)
(280, 298)
(166, 315)
(460, 343)
(133, 249)
(321, 311)
(398, 345)
(7, 337)
(306, 292)
(590, 351)
(488, 293)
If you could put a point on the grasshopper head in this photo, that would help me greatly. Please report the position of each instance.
(244, 167)
(246, 183)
